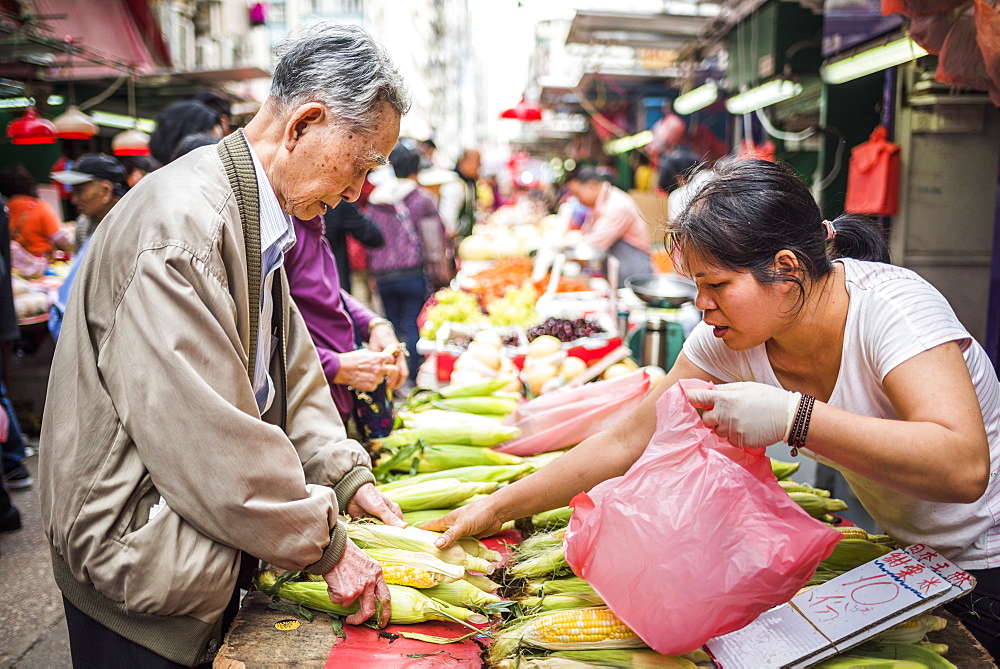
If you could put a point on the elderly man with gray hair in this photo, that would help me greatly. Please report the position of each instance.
(188, 424)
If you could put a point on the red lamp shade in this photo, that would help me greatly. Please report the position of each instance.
(74, 124)
(31, 129)
(523, 111)
(130, 143)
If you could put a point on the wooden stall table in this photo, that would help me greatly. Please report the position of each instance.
(257, 640)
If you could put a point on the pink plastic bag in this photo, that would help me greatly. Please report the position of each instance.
(697, 539)
(566, 417)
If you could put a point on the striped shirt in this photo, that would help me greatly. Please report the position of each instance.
(276, 236)
(893, 316)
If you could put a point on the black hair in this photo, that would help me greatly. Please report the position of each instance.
(141, 163)
(745, 211)
(193, 141)
(585, 175)
(17, 179)
(177, 121)
(215, 101)
(405, 162)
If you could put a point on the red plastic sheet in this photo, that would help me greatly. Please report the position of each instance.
(366, 647)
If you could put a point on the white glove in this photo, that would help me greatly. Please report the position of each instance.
(749, 415)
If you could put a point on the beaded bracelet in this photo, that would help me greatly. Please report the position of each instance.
(800, 424)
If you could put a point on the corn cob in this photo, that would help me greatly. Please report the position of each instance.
(429, 417)
(480, 389)
(580, 629)
(815, 506)
(414, 577)
(477, 548)
(791, 486)
(437, 493)
(881, 539)
(552, 519)
(483, 474)
(573, 585)
(783, 470)
(913, 630)
(373, 535)
(851, 553)
(478, 405)
(482, 582)
(448, 456)
(549, 562)
(541, 543)
(939, 648)
(642, 658)
(420, 561)
(853, 532)
(409, 606)
(902, 655)
(462, 593)
(560, 602)
(485, 433)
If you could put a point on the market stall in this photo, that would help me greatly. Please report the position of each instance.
(458, 443)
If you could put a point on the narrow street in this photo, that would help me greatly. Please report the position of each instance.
(32, 620)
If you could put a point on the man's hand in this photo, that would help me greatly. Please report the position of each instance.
(364, 369)
(357, 577)
(749, 415)
(368, 501)
(382, 338)
(476, 519)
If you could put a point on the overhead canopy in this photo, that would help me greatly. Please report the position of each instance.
(642, 30)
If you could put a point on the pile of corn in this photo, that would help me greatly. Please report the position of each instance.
(426, 582)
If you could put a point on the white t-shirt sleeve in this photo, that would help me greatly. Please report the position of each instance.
(905, 318)
(709, 353)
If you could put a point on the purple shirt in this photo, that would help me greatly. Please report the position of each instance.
(331, 314)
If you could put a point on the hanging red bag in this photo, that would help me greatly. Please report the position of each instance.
(697, 539)
(873, 177)
(988, 36)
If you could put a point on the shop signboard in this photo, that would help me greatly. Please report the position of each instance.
(850, 22)
(844, 612)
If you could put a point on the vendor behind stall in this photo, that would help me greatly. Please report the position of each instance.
(99, 182)
(614, 224)
(33, 223)
(861, 365)
(188, 425)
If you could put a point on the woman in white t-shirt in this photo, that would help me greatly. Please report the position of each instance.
(820, 344)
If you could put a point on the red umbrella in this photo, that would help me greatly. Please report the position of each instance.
(523, 111)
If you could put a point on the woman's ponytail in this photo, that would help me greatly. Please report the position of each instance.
(858, 237)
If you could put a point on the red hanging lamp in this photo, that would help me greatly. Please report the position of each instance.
(131, 142)
(31, 128)
(523, 111)
(74, 124)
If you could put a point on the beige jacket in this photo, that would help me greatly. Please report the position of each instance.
(149, 396)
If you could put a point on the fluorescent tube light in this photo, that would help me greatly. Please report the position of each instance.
(623, 144)
(762, 96)
(125, 122)
(696, 99)
(871, 61)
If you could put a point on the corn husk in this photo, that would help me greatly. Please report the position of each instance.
(441, 457)
(559, 602)
(478, 405)
(482, 582)
(475, 547)
(572, 585)
(547, 520)
(409, 606)
(783, 470)
(486, 432)
(483, 474)
(373, 535)
(445, 492)
(886, 655)
(419, 559)
(462, 593)
(480, 389)
(540, 564)
(640, 658)
(540, 543)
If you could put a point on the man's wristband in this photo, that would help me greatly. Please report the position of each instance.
(379, 321)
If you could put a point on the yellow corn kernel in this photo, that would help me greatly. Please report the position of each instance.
(852, 532)
(403, 574)
(581, 628)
